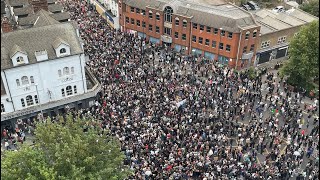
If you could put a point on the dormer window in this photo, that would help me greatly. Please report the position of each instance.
(61, 47)
(63, 50)
(20, 60)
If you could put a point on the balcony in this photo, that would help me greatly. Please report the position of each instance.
(93, 87)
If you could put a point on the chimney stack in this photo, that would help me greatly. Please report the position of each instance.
(39, 4)
(5, 26)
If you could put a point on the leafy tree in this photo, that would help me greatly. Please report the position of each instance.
(64, 150)
(303, 63)
(311, 7)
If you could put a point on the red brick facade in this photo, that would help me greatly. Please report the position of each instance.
(131, 17)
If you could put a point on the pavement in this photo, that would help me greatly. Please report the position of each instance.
(261, 157)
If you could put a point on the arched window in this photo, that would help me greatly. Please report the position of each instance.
(168, 14)
(62, 92)
(36, 99)
(150, 15)
(184, 23)
(29, 100)
(69, 90)
(247, 35)
(20, 59)
(75, 89)
(177, 22)
(254, 33)
(24, 80)
(18, 82)
(72, 70)
(65, 70)
(63, 50)
(60, 73)
(22, 102)
(31, 79)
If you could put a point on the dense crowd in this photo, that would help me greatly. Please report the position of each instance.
(185, 118)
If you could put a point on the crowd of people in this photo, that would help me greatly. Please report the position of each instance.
(180, 117)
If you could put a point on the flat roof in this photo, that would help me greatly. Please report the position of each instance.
(271, 21)
(205, 12)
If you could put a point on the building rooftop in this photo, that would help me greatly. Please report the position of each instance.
(55, 7)
(17, 2)
(38, 38)
(271, 21)
(206, 12)
(23, 11)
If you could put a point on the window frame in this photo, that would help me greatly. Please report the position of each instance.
(214, 44)
(177, 21)
(18, 82)
(208, 29)
(167, 12)
(31, 79)
(201, 27)
(66, 71)
(2, 108)
(230, 35)
(75, 90)
(247, 35)
(63, 93)
(23, 103)
(215, 31)
(176, 35)
(184, 23)
(20, 60)
(194, 26)
(200, 40)
(252, 48)
(150, 28)
(244, 50)
(150, 14)
(194, 38)
(157, 16)
(132, 21)
(265, 44)
(207, 42)
(157, 29)
(36, 99)
(29, 100)
(24, 80)
(221, 44)
(228, 47)
(184, 37)
(132, 9)
(69, 90)
(223, 33)
(63, 50)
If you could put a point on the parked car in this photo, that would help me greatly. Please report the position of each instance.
(253, 5)
(245, 7)
(278, 9)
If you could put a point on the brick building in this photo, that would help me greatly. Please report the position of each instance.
(221, 31)
(277, 29)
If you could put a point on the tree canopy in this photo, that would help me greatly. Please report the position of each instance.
(303, 63)
(63, 150)
(311, 7)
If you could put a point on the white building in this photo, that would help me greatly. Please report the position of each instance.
(108, 9)
(43, 69)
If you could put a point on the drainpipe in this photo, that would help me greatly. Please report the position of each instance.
(190, 37)
(83, 80)
(5, 76)
(239, 48)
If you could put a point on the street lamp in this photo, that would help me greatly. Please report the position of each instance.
(219, 43)
(39, 100)
(142, 52)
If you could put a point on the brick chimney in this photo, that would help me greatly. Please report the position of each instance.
(5, 26)
(39, 4)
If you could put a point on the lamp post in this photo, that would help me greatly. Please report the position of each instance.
(143, 35)
(36, 85)
(219, 43)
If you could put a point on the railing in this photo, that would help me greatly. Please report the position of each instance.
(91, 93)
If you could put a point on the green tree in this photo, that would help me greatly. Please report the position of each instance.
(303, 63)
(311, 7)
(64, 151)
